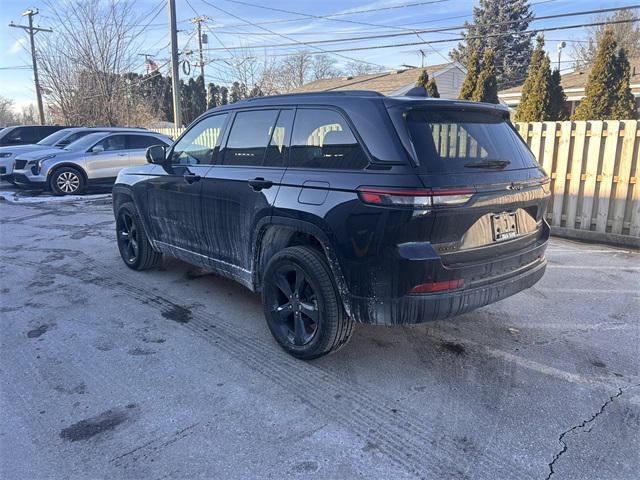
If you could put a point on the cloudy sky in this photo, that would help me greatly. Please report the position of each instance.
(230, 26)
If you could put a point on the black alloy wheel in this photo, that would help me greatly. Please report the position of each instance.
(134, 246)
(301, 304)
(128, 240)
(295, 310)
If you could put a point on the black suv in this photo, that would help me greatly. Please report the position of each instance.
(344, 207)
(26, 134)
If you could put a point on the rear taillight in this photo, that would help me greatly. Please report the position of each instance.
(415, 198)
(438, 286)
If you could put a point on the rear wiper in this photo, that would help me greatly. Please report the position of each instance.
(495, 164)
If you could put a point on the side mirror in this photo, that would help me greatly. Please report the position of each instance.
(97, 149)
(156, 154)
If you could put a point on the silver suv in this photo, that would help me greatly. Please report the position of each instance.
(59, 139)
(93, 160)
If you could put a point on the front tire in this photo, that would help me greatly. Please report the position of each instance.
(135, 249)
(67, 181)
(302, 305)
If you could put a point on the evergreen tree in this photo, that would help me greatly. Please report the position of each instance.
(487, 86)
(557, 99)
(606, 89)
(535, 100)
(473, 70)
(213, 94)
(432, 89)
(500, 25)
(224, 96)
(428, 84)
(624, 106)
(423, 79)
(198, 97)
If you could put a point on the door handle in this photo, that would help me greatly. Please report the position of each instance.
(259, 183)
(191, 178)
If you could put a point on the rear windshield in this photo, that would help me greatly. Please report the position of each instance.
(455, 141)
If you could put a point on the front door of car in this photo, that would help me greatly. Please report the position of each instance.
(106, 158)
(241, 188)
(173, 192)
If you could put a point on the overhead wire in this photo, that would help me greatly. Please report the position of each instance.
(291, 39)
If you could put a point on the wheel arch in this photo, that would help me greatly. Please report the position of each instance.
(75, 166)
(277, 233)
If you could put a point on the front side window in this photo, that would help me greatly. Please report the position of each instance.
(198, 146)
(112, 143)
(323, 139)
(249, 137)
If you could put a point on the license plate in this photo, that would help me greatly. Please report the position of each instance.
(505, 226)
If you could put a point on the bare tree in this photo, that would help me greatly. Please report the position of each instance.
(84, 61)
(360, 68)
(324, 66)
(295, 70)
(7, 116)
(627, 36)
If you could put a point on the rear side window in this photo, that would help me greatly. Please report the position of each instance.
(198, 145)
(250, 135)
(137, 142)
(279, 143)
(323, 139)
(454, 141)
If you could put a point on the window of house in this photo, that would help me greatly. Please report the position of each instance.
(198, 146)
(323, 139)
(250, 135)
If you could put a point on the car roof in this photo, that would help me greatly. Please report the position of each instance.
(108, 129)
(351, 98)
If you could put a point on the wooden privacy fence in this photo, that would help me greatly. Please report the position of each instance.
(594, 170)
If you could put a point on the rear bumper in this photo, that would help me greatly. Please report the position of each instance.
(411, 309)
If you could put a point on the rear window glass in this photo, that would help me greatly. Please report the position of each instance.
(454, 141)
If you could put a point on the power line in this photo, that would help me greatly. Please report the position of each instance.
(331, 15)
(432, 30)
(287, 37)
(447, 40)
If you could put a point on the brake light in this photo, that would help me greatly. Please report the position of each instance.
(415, 198)
(438, 286)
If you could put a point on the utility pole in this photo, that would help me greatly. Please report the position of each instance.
(199, 21)
(177, 111)
(34, 62)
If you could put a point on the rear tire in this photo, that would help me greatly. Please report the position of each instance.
(67, 181)
(133, 243)
(302, 305)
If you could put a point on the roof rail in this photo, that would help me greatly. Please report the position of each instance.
(346, 93)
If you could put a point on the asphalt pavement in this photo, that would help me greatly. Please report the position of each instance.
(107, 373)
